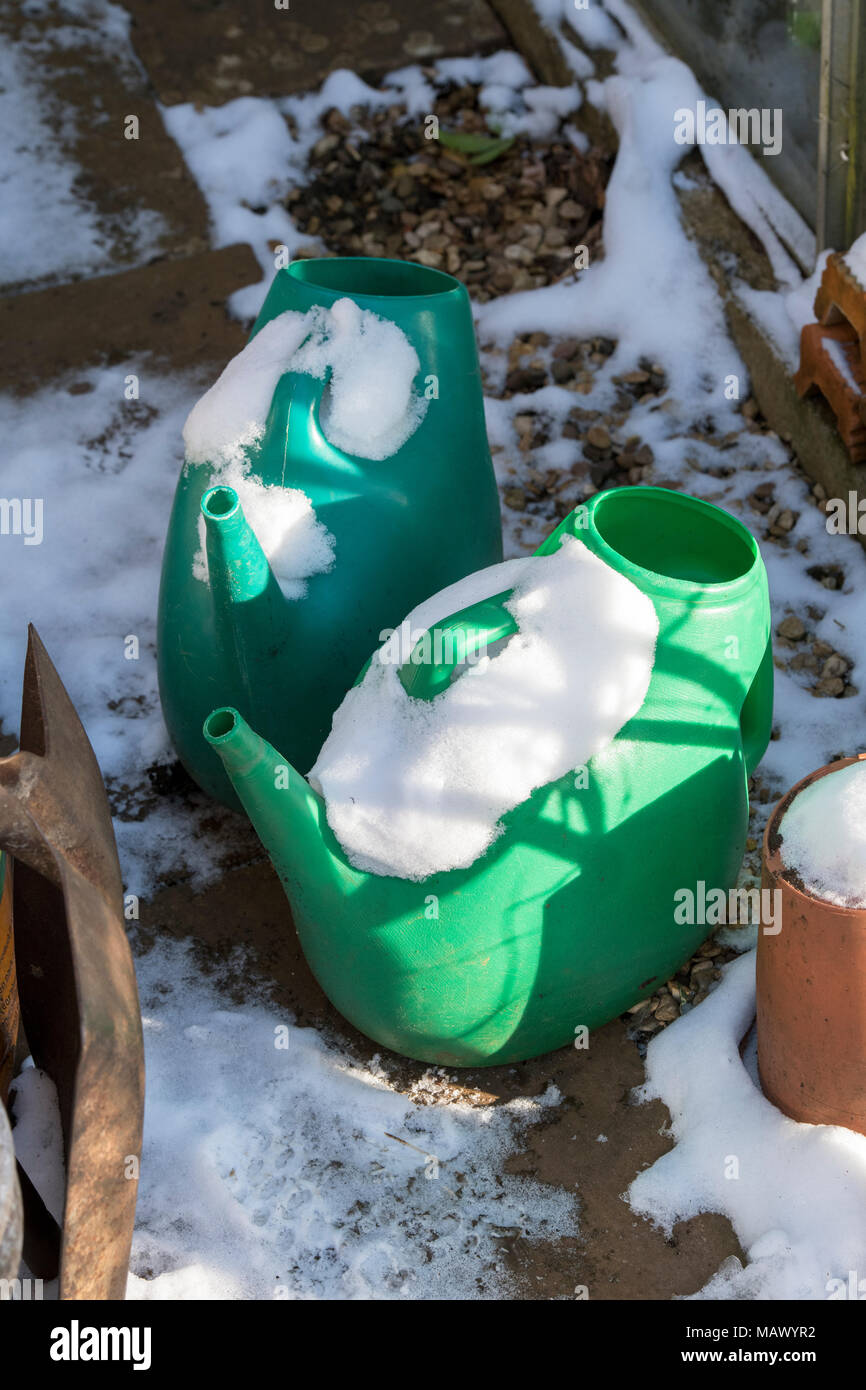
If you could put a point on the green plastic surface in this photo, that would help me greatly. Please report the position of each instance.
(404, 527)
(568, 919)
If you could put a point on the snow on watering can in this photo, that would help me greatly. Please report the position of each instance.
(288, 554)
(656, 678)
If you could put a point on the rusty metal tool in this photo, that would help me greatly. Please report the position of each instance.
(76, 986)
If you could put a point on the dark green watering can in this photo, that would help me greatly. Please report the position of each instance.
(402, 527)
(569, 918)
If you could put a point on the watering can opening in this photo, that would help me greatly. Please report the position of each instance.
(220, 724)
(362, 276)
(220, 501)
(680, 538)
(245, 754)
(234, 741)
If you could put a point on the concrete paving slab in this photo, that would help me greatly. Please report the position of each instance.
(173, 310)
(138, 190)
(212, 53)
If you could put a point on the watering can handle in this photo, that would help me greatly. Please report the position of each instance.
(453, 644)
(756, 715)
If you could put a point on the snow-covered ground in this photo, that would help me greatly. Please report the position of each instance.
(794, 1193)
(48, 230)
(285, 1170)
(277, 1176)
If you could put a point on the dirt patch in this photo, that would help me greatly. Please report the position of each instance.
(378, 187)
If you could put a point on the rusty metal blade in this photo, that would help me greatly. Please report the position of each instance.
(76, 982)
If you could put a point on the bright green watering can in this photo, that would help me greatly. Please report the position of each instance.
(404, 527)
(568, 919)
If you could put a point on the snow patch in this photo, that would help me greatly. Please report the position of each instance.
(839, 358)
(290, 1171)
(615, 25)
(783, 314)
(824, 836)
(369, 408)
(415, 787)
(49, 232)
(36, 1113)
(230, 418)
(649, 265)
(245, 159)
(532, 111)
(798, 1200)
(855, 257)
(106, 469)
(302, 1186)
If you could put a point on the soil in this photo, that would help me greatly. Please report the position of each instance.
(511, 224)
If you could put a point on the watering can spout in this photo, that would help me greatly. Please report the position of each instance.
(240, 577)
(238, 568)
(287, 814)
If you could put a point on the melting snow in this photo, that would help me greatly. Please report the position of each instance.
(296, 543)
(856, 258)
(415, 787)
(370, 407)
(369, 410)
(794, 1193)
(824, 836)
(49, 231)
(289, 1171)
(839, 358)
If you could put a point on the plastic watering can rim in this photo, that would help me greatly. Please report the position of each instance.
(220, 501)
(445, 284)
(655, 581)
(220, 724)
